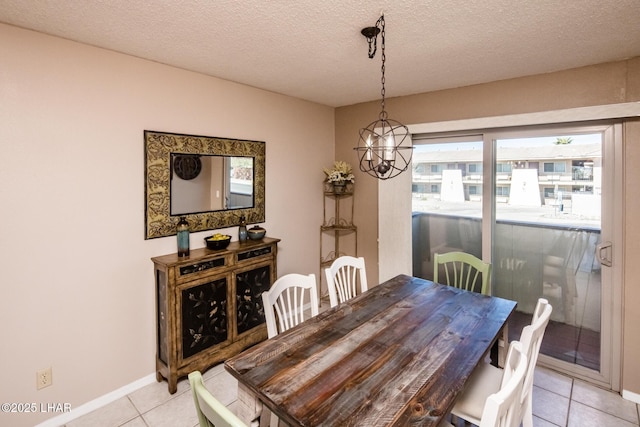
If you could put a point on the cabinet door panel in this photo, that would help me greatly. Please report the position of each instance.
(204, 316)
(250, 285)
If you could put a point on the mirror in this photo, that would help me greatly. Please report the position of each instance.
(211, 181)
(203, 183)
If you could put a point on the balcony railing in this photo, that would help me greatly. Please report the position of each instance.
(528, 258)
(582, 174)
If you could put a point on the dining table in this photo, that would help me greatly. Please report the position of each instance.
(395, 355)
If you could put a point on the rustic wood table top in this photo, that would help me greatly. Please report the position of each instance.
(396, 355)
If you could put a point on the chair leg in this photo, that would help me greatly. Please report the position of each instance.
(527, 419)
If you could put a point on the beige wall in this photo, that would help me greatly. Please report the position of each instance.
(589, 86)
(76, 291)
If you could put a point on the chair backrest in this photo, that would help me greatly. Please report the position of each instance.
(462, 270)
(531, 339)
(211, 413)
(284, 303)
(342, 279)
(502, 409)
(542, 307)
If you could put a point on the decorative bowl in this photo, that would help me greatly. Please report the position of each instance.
(256, 233)
(217, 241)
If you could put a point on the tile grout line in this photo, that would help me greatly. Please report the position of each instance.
(593, 407)
(137, 410)
(160, 404)
(573, 383)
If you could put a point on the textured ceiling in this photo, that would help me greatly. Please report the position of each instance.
(314, 50)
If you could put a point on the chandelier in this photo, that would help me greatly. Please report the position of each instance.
(384, 148)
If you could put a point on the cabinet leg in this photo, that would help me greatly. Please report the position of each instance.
(173, 383)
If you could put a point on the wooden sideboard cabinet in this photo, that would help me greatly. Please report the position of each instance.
(209, 305)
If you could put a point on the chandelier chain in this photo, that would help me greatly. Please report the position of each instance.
(384, 147)
(383, 112)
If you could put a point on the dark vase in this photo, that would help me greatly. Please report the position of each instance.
(242, 229)
(183, 237)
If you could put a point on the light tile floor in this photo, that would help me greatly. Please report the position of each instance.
(558, 400)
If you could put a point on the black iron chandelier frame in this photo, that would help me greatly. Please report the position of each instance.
(384, 147)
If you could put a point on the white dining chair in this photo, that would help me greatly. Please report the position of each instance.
(486, 379)
(285, 307)
(342, 279)
(211, 412)
(285, 303)
(502, 408)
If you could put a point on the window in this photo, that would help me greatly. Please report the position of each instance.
(436, 168)
(555, 167)
(475, 167)
(582, 189)
(503, 167)
(549, 192)
(502, 191)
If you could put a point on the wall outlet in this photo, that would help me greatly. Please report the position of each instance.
(44, 378)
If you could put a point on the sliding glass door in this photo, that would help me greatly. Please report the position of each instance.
(546, 231)
(538, 204)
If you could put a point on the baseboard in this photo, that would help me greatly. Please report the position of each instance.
(101, 401)
(629, 395)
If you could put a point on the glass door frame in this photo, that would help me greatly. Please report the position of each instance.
(611, 229)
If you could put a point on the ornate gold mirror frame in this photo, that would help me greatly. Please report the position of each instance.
(158, 148)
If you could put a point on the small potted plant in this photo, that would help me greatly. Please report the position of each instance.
(339, 175)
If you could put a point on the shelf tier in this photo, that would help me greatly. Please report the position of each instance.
(350, 227)
(331, 256)
(331, 190)
(344, 194)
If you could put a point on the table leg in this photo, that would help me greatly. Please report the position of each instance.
(503, 346)
(249, 406)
